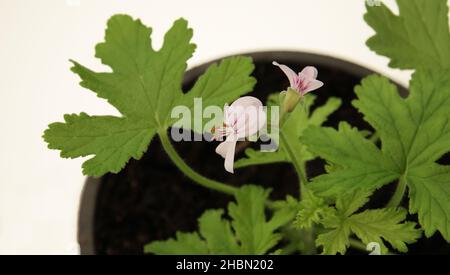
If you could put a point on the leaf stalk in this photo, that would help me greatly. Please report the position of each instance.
(399, 193)
(188, 171)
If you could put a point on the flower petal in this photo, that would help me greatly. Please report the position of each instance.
(244, 117)
(255, 120)
(309, 72)
(291, 75)
(244, 109)
(229, 158)
(222, 148)
(227, 149)
(237, 109)
(247, 101)
(249, 116)
(313, 85)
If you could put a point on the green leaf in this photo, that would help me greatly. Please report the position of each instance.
(144, 86)
(292, 129)
(217, 233)
(349, 203)
(414, 132)
(184, 244)
(113, 140)
(429, 192)
(357, 162)
(285, 210)
(255, 234)
(417, 38)
(250, 233)
(321, 113)
(377, 225)
(384, 224)
(335, 241)
(312, 210)
(143, 82)
(223, 82)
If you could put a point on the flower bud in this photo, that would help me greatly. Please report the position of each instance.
(291, 99)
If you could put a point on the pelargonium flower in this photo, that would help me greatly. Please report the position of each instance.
(243, 118)
(303, 82)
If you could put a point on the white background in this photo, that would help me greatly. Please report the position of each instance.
(39, 192)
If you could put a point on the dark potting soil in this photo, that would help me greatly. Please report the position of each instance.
(151, 200)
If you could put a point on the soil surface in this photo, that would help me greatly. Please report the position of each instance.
(151, 200)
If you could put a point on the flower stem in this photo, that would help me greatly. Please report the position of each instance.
(189, 172)
(298, 164)
(399, 193)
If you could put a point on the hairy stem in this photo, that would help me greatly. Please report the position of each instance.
(189, 172)
(399, 193)
(298, 164)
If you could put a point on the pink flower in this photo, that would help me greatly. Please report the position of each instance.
(243, 118)
(304, 82)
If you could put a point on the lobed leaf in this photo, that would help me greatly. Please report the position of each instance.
(144, 86)
(377, 225)
(417, 38)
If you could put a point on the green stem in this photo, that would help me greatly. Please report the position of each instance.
(308, 235)
(189, 172)
(309, 242)
(357, 245)
(399, 193)
(298, 165)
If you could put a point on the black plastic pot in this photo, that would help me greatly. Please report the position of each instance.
(150, 199)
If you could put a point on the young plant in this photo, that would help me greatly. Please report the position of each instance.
(411, 134)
